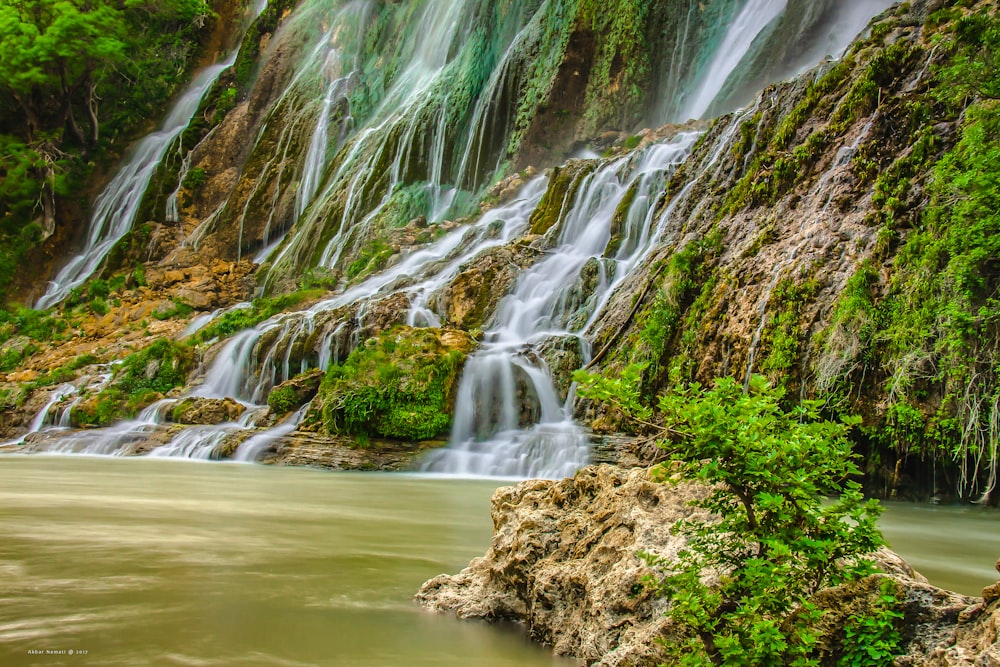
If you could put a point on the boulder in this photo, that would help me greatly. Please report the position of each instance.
(207, 411)
(294, 393)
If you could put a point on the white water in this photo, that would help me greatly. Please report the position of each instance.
(117, 206)
(509, 418)
(750, 22)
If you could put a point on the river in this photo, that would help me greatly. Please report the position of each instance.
(167, 562)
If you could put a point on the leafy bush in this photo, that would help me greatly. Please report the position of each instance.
(778, 536)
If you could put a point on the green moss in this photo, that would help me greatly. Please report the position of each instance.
(783, 335)
(261, 309)
(372, 258)
(282, 400)
(563, 186)
(142, 378)
(399, 385)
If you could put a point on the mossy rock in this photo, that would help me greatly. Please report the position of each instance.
(563, 185)
(206, 411)
(295, 393)
(399, 385)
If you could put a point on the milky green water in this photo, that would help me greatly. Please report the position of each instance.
(161, 562)
(153, 562)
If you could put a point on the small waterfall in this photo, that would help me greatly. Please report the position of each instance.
(251, 448)
(750, 22)
(42, 418)
(255, 360)
(117, 206)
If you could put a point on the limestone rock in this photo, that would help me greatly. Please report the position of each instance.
(295, 393)
(563, 561)
(345, 453)
(207, 411)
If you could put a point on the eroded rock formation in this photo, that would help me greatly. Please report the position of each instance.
(563, 562)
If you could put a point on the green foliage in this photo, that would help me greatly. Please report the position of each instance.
(399, 385)
(779, 535)
(142, 377)
(159, 368)
(179, 309)
(782, 335)
(77, 79)
(974, 67)
(61, 374)
(282, 400)
(372, 257)
(237, 319)
(684, 274)
(195, 178)
(872, 640)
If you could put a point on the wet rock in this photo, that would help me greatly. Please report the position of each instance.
(319, 450)
(475, 292)
(564, 183)
(563, 356)
(207, 411)
(295, 393)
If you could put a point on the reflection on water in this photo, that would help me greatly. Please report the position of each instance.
(143, 562)
(160, 562)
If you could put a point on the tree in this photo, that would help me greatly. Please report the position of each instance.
(53, 51)
(777, 536)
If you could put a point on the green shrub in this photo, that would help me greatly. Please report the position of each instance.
(778, 536)
(399, 385)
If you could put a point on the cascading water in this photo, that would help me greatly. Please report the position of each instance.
(751, 20)
(509, 419)
(116, 207)
(362, 146)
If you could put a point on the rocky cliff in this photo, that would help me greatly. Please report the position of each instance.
(352, 186)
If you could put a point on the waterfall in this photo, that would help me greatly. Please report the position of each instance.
(509, 418)
(118, 204)
(358, 141)
(752, 19)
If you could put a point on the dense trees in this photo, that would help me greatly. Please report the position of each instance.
(77, 76)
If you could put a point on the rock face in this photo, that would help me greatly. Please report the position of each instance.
(563, 562)
(316, 450)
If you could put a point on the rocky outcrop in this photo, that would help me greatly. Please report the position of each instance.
(207, 411)
(317, 450)
(294, 393)
(398, 385)
(563, 561)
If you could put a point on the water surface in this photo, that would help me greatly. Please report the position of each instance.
(160, 562)
(174, 562)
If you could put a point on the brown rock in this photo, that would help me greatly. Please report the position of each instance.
(207, 411)
(563, 561)
(197, 299)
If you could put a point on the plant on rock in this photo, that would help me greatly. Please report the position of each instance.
(775, 538)
(399, 385)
